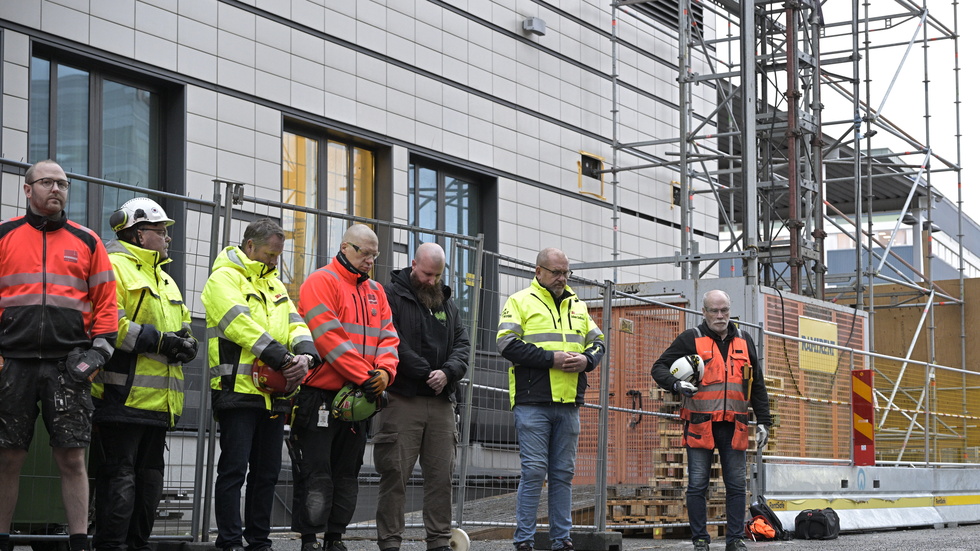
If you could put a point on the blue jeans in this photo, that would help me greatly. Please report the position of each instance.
(251, 442)
(733, 473)
(548, 439)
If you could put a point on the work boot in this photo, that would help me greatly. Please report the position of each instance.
(335, 546)
(737, 545)
(312, 546)
(701, 545)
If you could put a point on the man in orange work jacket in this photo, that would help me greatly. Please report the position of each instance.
(350, 319)
(716, 412)
(58, 323)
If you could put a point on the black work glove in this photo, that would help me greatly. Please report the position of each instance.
(84, 365)
(685, 388)
(377, 384)
(178, 347)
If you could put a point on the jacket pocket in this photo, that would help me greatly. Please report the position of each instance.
(698, 433)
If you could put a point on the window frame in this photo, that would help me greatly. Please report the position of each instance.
(170, 135)
(326, 245)
(485, 187)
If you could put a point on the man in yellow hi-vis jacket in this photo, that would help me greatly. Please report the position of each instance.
(251, 320)
(139, 395)
(547, 334)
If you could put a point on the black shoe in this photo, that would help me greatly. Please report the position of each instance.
(700, 545)
(737, 545)
(335, 546)
(392, 549)
(524, 546)
(312, 546)
(566, 545)
(233, 548)
(443, 548)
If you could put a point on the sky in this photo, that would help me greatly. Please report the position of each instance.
(905, 103)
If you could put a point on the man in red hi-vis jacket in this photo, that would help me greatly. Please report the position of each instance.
(350, 319)
(57, 329)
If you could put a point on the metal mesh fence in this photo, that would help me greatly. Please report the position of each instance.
(631, 468)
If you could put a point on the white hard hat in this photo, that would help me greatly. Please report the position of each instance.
(134, 211)
(688, 368)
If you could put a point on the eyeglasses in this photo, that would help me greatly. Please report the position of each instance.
(716, 311)
(161, 232)
(365, 254)
(48, 183)
(558, 273)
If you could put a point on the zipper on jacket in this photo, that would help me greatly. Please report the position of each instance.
(554, 322)
(362, 316)
(44, 287)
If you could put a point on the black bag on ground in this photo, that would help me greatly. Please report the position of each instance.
(817, 524)
(760, 507)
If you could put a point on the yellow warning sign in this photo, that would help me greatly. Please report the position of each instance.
(815, 354)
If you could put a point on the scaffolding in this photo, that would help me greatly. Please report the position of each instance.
(798, 139)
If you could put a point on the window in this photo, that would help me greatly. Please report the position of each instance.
(327, 174)
(97, 123)
(449, 199)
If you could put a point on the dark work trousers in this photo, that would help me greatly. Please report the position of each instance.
(128, 484)
(251, 442)
(326, 463)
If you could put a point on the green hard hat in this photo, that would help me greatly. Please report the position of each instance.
(351, 404)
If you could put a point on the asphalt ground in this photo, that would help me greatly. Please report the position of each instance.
(959, 538)
(956, 538)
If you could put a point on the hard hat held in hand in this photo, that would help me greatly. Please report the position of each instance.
(351, 404)
(267, 379)
(136, 210)
(688, 368)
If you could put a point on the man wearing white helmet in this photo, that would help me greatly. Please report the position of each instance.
(715, 411)
(139, 395)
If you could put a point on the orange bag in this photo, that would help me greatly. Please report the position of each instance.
(759, 528)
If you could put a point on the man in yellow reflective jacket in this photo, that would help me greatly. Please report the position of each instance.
(139, 395)
(547, 334)
(251, 321)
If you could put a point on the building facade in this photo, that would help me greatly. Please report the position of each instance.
(445, 115)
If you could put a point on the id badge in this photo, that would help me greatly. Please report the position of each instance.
(323, 416)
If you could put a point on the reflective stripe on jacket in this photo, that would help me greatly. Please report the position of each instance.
(249, 316)
(137, 385)
(57, 289)
(531, 316)
(721, 394)
(351, 323)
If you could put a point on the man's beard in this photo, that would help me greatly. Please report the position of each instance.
(429, 295)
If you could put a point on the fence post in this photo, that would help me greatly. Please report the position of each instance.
(200, 514)
(464, 438)
(602, 448)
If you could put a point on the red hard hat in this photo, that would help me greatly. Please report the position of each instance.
(267, 379)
